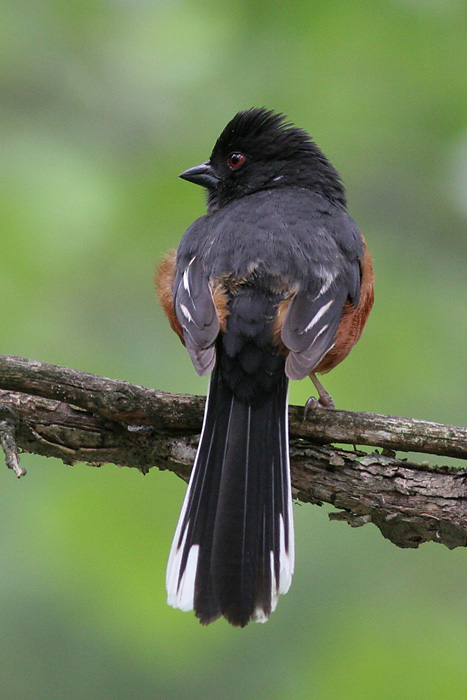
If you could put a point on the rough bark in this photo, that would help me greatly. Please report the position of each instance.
(79, 417)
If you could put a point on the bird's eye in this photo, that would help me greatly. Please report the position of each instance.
(236, 160)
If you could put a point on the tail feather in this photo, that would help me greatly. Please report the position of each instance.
(233, 550)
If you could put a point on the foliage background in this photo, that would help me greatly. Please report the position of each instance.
(103, 103)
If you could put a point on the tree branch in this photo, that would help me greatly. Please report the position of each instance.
(80, 417)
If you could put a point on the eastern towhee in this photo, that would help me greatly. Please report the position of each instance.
(273, 283)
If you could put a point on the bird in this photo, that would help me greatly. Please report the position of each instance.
(273, 283)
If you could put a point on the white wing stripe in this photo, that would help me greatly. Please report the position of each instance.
(318, 315)
(186, 282)
(329, 278)
(320, 332)
(186, 313)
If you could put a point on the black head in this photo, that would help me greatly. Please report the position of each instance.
(259, 150)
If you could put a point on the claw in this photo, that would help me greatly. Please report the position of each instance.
(325, 399)
(312, 403)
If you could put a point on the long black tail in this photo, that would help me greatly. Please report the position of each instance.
(233, 550)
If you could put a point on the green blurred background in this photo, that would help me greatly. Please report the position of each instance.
(103, 103)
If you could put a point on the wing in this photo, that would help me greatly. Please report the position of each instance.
(196, 312)
(310, 327)
(314, 314)
(318, 251)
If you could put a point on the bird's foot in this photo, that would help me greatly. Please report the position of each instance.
(325, 399)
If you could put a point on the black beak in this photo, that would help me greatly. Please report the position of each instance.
(201, 175)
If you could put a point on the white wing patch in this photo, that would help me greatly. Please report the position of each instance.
(186, 313)
(320, 313)
(328, 278)
(186, 281)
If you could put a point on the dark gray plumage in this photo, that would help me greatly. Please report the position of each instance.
(276, 233)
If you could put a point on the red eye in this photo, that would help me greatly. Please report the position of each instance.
(236, 160)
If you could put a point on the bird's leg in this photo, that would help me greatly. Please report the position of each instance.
(325, 399)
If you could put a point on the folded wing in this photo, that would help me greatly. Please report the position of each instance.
(196, 312)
